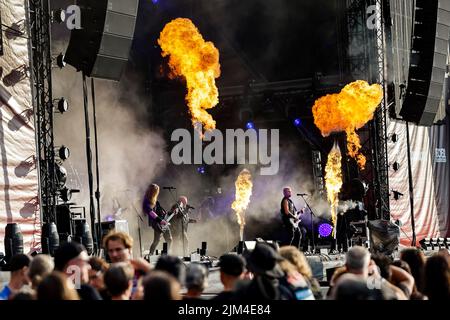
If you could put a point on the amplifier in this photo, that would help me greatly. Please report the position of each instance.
(118, 225)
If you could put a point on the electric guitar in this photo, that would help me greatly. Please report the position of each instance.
(164, 227)
(295, 222)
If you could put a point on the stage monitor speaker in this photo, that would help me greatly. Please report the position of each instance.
(101, 47)
(428, 60)
(384, 236)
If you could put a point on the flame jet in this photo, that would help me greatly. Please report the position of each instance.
(197, 61)
(244, 187)
(348, 111)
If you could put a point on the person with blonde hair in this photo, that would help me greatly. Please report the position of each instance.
(298, 260)
(156, 215)
(41, 266)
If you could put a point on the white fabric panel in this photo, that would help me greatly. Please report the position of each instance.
(425, 211)
(19, 175)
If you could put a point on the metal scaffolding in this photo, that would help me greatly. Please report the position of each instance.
(39, 18)
(366, 61)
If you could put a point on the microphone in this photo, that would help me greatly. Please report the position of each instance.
(169, 188)
(302, 194)
(190, 207)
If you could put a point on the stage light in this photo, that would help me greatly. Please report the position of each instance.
(64, 153)
(325, 230)
(155, 1)
(63, 105)
(61, 175)
(394, 138)
(396, 166)
(298, 122)
(60, 61)
(250, 125)
(13, 240)
(397, 194)
(66, 194)
(201, 170)
(50, 238)
(59, 16)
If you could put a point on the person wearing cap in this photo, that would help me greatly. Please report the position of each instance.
(72, 259)
(196, 281)
(19, 276)
(265, 285)
(232, 267)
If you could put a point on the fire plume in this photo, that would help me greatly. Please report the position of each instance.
(333, 180)
(244, 187)
(197, 60)
(348, 111)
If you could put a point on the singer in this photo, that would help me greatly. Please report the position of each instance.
(180, 225)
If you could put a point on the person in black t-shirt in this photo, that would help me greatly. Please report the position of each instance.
(290, 219)
(232, 267)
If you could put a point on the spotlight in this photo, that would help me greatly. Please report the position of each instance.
(298, 122)
(155, 1)
(60, 61)
(61, 175)
(250, 125)
(425, 243)
(394, 138)
(66, 194)
(325, 230)
(396, 166)
(59, 15)
(397, 194)
(201, 170)
(64, 153)
(63, 105)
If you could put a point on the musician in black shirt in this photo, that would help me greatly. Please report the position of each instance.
(289, 216)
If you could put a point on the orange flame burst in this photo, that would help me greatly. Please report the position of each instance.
(348, 111)
(333, 180)
(197, 60)
(244, 187)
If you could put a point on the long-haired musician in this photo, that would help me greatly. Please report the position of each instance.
(156, 215)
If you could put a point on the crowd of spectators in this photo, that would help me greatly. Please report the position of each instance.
(265, 273)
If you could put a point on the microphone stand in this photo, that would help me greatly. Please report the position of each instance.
(312, 224)
(139, 229)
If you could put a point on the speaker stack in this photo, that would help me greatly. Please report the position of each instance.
(428, 62)
(101, 47)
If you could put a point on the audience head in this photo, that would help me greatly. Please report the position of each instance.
(173, 266)
(416, 261)
(41, 266)
(161, 286)
(19, 266)
(118, 246)
(71, 257)
(383, 263)
(298, 259)
(98, 269)
(357, 261)
(437, 278)
(119, 280)
(196, 279)
(232, 267)
(56, 286)
(263, 261)
(351, 287)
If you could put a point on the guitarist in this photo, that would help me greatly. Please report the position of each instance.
(156, 215)
(180, 224)
(290, 219)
